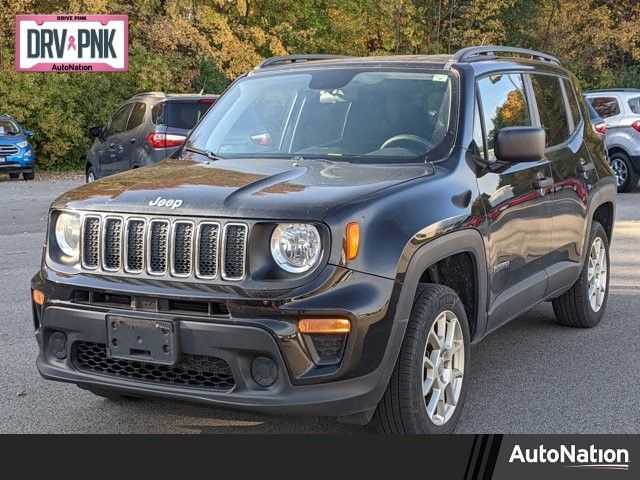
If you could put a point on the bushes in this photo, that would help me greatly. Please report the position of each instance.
(60, 107)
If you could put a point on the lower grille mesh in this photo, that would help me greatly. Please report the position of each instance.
(195, 371)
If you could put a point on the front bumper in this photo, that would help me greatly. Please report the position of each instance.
(354, 385)
(23, 161)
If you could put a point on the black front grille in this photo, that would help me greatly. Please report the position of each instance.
(165, 247)
(112, 243)
(159, 247)
(234, 250)
(91, 242)
(135, 245)
(183, 247)
(194, 371)
(208, 258)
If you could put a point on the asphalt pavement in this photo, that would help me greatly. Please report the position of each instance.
(531, 376)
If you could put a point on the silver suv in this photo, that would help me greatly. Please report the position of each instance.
(620, 109)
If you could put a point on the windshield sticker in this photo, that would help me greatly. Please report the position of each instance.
(440, 78)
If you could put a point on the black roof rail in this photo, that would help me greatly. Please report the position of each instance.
(632, 90)
(295, 59)
(471, 54)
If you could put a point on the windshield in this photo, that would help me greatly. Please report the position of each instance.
(340, 114)
(8, 127)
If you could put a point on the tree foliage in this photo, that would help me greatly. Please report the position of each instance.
(193, 45)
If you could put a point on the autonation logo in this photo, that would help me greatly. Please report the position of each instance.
(573, 457)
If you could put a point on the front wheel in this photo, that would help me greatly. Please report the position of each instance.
(428, 386)
(584, 303)
(29, 175)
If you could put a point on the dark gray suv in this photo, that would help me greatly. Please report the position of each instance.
(144, 130)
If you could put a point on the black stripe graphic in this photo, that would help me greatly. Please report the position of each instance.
(483, 457)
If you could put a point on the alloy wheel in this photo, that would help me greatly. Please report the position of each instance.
(91, 177)
(619, 170)
(597, 274)
(443, 368)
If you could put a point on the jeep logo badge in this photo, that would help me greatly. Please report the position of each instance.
(173, 203)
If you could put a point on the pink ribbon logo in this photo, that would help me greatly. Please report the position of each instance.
(72, 43)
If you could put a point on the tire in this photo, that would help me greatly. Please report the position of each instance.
(110, 395)
(14, 176)
(575, 307)
(29, 175)
(626, 176)
(91, 175)
(403, 407)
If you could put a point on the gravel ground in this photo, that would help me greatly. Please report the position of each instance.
(531, 376)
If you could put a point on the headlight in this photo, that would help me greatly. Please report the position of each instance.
(68, 234)
(23, 144)
(295, 247)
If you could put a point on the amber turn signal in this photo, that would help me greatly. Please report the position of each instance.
(38, 297)
(324, 325)
(352, 240)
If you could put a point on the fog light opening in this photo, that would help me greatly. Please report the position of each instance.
(264, 371)
(57, 345)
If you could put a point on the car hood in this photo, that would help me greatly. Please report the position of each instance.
(256, 188)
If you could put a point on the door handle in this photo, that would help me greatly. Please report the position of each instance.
(585, 167)
(132, 140)
(543, 183)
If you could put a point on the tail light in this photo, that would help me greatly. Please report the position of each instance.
(636, 125)
(165, 140)
(601, 128)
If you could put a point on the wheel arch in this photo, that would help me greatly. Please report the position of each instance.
(461, 252)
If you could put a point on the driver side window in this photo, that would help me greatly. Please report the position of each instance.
(118, 122)
(504, 104)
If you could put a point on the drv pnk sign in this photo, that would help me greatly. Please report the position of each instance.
(72, 43)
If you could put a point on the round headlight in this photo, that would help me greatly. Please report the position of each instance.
(295, 246)
(68, 234)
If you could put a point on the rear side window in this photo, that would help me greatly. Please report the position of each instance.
(504, 104)
(157, 113)
(606, 106)
(137, 116)
(573, 103)
(634, 104)
(184, 115)
(551, 108)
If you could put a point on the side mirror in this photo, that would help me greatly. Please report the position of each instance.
(94, 132)
(28, 133)
(520, 144)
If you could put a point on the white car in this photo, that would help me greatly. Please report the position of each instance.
(620, 109)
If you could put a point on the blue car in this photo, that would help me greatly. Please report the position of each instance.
(16, 153)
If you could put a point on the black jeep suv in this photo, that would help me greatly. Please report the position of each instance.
(332, 237)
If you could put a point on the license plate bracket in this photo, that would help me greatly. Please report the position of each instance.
(142, 339)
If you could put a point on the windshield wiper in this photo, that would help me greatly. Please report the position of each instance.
(210, 155)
